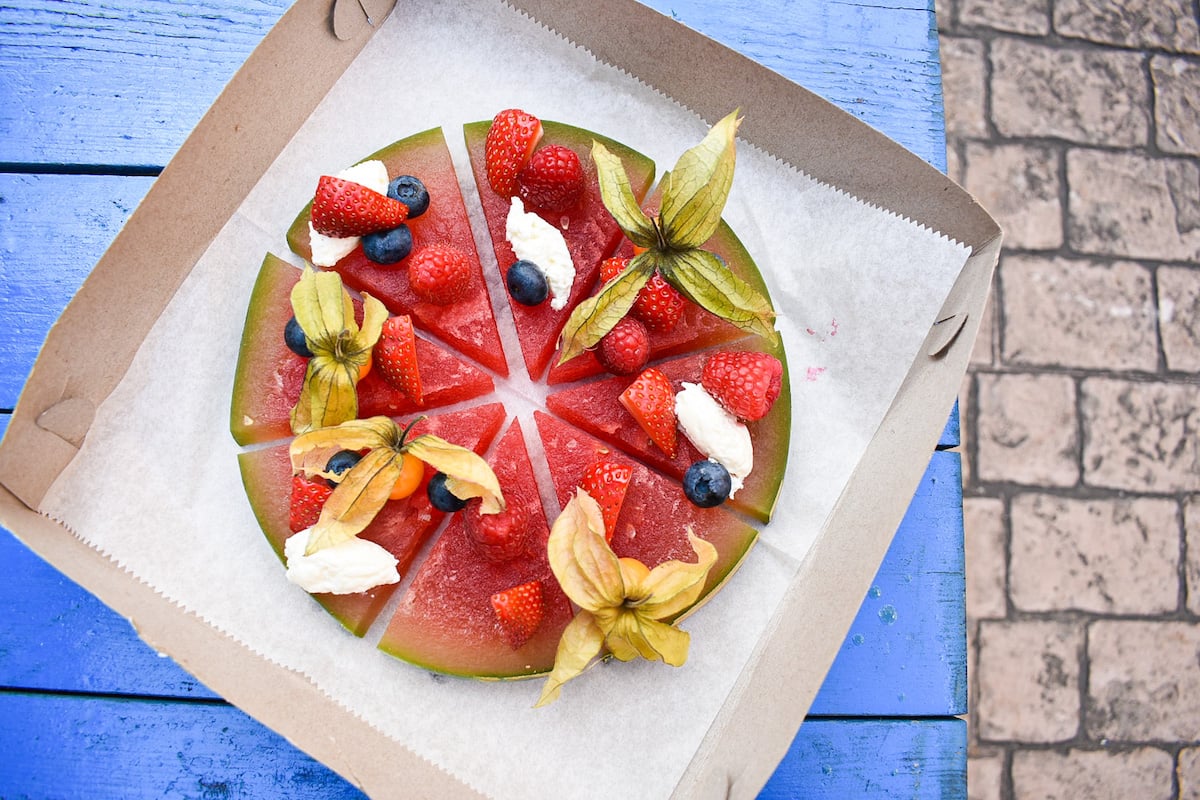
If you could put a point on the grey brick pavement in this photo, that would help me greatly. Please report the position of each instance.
(1077, 124)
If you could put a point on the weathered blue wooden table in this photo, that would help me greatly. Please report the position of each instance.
(95, 97)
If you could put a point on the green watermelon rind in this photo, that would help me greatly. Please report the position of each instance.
(266, 286)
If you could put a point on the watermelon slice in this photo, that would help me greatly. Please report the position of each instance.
(269, 375)
(697, 329)
(445, 620)
(655, 516)
(468, 325)
(401, 527)
(596, 409)
(588, 228)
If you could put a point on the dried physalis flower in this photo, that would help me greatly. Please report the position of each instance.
(622, 603)
(671, 244)
(365, 488)
(341, 349)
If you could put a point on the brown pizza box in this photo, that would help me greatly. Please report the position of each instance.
(250, 123)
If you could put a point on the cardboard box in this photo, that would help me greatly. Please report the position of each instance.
(253, 121)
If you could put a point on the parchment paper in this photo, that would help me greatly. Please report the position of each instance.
(156, 485)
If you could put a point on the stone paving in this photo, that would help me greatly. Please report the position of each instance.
(1077, 124)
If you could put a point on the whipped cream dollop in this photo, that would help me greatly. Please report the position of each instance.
(540, 243)
(354, 565)
(715, 432)
(328, 250)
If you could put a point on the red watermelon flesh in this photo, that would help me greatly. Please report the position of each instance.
(401, 527)
(588, 228)
(269, 375)
(469, 324)
(595, 407)
(655, 516)
(445, 620)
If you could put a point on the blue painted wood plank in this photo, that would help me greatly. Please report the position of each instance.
(913, 759)
(56, 227)
(54, 635)
(120, 82)
(136, 75)
(906, 651)
(58, 746)
(97, 748)
(904, 656)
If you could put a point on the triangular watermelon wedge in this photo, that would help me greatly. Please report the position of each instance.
(588, 228)
(269, 375)
(596, 409)
(401, 527)
(469, 324)
(697, 329)
(656, 515)
(445, 620)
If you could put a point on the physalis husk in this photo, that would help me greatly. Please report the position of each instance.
(340, 349)
(693, 196)
(365, 487)
(622, 603)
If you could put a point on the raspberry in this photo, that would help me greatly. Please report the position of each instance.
(499, 537)
(552, 180)
(508, 147)
(439, 275)
(625, 349)
(746, 384)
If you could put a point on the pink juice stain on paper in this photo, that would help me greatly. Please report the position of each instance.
(813, 373)
(831, 332)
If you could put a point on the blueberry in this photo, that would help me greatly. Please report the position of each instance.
(707, 483)
(411, 192)
(526, 283)
(440, 496)
(294, 338)
(340, 462)
(388, 247)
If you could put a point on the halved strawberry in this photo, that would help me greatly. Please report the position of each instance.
(395, 357)
(658, 305)
(651, 401)
(607, 481)
(611, 268)
(344, 208)
(308, 498)
(519, 611)
(746, 384)
(553, 179)
(508, 147)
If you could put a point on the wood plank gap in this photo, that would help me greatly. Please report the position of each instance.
(37, 168)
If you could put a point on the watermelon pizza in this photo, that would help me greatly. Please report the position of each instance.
(546, 509)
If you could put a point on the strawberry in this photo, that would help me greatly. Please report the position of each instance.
(552, 180)
(611, 268)
(396, 357)
(625, 349)
(308, 498)
(746, 384)
(344, 208)
(607, 482)
(508, 147)
(651, 401)
(658, 305)
(499, 537)
(439, 274)
(519, 611)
